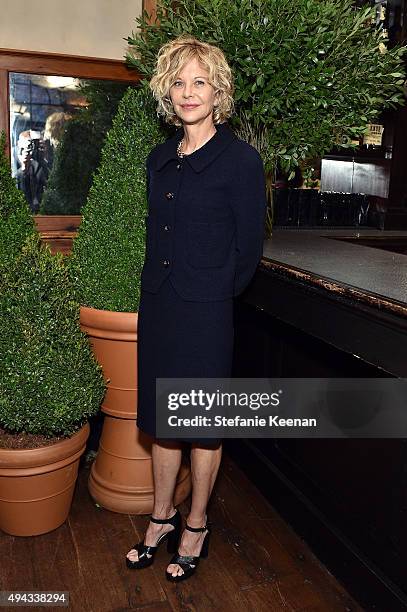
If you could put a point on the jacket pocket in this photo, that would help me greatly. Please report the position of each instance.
(208, 244)
(150, 222)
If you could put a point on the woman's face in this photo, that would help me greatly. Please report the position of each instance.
(191, 93)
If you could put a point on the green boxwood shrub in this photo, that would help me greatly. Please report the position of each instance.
(50, 382)
(16, 220)
(108, 253)
(309, 74)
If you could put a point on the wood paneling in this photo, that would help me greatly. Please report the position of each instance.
(150, 6)
(54, 223)
(37, 62)
(4, 112)
(58, 231)
(346, 497)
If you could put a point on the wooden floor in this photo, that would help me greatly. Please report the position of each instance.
(255, 562)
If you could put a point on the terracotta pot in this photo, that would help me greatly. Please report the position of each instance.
(37, 485)
(121, 477)
(113, 336)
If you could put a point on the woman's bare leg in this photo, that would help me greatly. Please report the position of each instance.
(205, 464)
(166, 464)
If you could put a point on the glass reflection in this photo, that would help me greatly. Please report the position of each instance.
(57, 128)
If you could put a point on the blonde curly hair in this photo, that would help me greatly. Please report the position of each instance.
(171, 59)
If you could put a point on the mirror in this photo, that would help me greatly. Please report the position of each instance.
(57, 129)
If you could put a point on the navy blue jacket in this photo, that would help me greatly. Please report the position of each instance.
(206, 217)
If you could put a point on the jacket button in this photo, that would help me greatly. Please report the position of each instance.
(169, 195)
(167, 227)
(178, 166)
(166, 263)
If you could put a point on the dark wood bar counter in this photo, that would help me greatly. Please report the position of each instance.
(363, 264)
(333, 303)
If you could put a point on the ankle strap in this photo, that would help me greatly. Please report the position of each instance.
(162, 521)
(196, 528)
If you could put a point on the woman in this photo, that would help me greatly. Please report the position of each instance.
(205, 229)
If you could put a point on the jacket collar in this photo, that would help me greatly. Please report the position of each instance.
(203, 156)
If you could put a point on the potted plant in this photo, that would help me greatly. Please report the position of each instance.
(105, 265)
(308, 75)
(50, 382)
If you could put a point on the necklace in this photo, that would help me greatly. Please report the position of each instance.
(179, 147)
(181, 143)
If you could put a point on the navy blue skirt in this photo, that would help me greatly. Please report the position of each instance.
(177, 338)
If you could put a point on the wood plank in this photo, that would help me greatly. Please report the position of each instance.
(59, 245)
(62, 64)
(314, 573)
(256, 504)
(163, 606)
(102, 539)
(53, 223)
(291, 593)
(55, 235)
(210, 589)
(250, 552)
(304, 561)
(46, 562)
(254, 563)
(4, 110)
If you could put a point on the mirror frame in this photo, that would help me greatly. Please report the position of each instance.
(36, 62)
(57, 230)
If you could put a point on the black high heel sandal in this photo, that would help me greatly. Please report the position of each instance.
(189, 563)
(172, 538)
